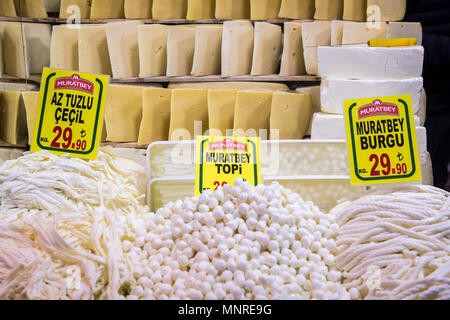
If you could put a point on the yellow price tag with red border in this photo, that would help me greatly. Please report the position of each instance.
(221, 160)
(69, 118)
(382, 142)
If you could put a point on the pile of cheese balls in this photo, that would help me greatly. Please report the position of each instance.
(236, 243)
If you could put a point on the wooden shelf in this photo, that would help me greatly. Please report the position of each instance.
(267, 78)
(127, 145)
(53, 20)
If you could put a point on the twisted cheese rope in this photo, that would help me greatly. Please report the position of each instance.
(57, 213)
(404, 234)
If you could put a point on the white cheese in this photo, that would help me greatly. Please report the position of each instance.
(267, 49)
(370, 63)
(180, 51)
(208, 50)
(292, 60)
(237, 48)
(397, 30)
(123, 48)
(335, 91)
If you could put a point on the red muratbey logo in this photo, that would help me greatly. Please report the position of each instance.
(75, 83)
(228, 144)
(378, 108)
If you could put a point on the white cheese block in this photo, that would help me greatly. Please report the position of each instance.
(123, 48)
(355, 10)
(386, 10)
(180, 51)
(69, 8)
(335, 91)
(138, 9)
(152, 39)
(292, 60)
(426, 167)
(337, 32)
(208, 50)
(329, 9)
(232, 9)
(297, 9)
(422, 145)
(26, 48)
(106, 9)
(237, 48)
(359, 32)
(314, 91)
(7, 8)
(254, 86)
(370, 63)
(264, 9)
(314, 34)
(93, 56)
(397, 30)
(169, 9)
(267, 49)
(64, 48)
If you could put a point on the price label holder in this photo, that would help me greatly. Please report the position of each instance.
(381, 140)
(221, 160)
(69, 118)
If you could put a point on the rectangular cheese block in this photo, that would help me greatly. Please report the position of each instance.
(1, 51)
(297, 9)
(290, 115)
(386, 10)
(232, 9)
(7, 8)
(359, 32)
(26, 48)
(169, 9)
(329, 9)
(123, 48)
(255, 86)
(106, 9)
(31, 101)
(155, 122)
(314, 34)
(397, 30)
(371, 63)
(237, 48)
(264, 9)
(201, 9)
(188, 114)
(355, 10)
(221, 111)
(13, 123)
(292, 59)
(123, 112)
(208, 50)
(93, 50)
(335, 91)
(180, 51)
(267, 49)
(314, 91)
(252, 113)
(69, 8)
(152, 39)
(31, 8)
(138, 9)
(337, 32)
(64, 48)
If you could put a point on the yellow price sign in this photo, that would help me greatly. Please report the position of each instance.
(221, 160)
(69, 118)
(382, 140)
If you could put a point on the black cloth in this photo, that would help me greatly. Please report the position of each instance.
(434, 15)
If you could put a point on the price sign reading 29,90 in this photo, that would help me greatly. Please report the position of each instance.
(382, 140)
(70, 113)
